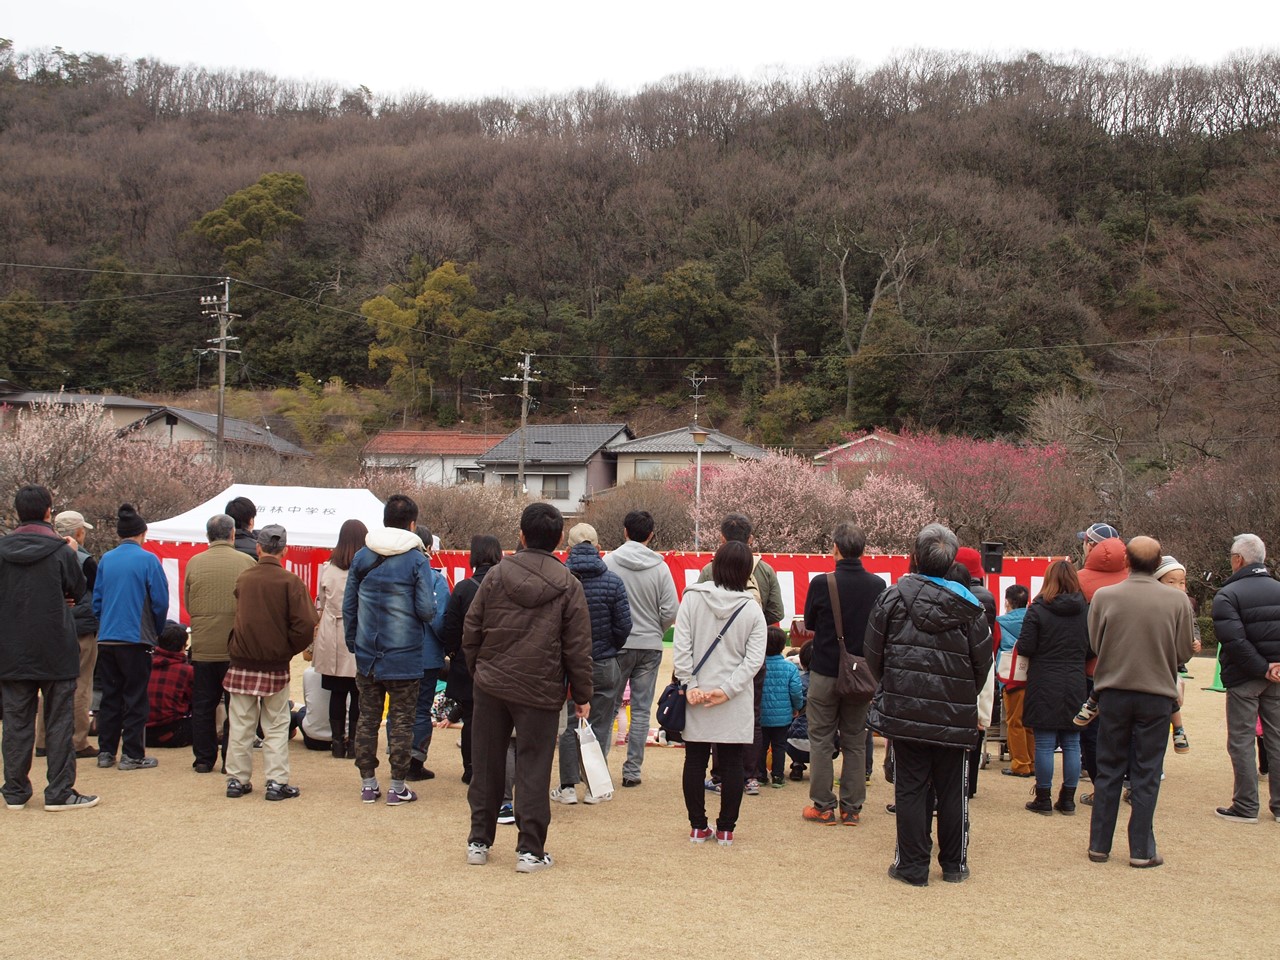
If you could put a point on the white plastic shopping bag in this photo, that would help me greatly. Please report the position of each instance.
(591, 758)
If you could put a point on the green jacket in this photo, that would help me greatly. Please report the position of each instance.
(209, 589)
(767, 583)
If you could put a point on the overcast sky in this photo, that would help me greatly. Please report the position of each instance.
(487, 47)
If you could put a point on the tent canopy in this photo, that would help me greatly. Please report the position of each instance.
(312, 516)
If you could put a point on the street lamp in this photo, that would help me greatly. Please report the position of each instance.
(699, 438)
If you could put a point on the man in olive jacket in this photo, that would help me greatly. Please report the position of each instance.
(527, 632)
(39, 656)
(209, 590)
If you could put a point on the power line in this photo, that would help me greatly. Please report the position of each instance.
(124, 296)
(125, 273)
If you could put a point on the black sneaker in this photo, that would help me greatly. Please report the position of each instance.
(237, 789)
(418, 772)
(1233, 815)
(893, 872)
(202, 767)
(955, 876)
(631, 781)
(72, 801)
(281, 791)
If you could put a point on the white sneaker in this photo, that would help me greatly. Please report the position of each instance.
(528, 863)
(592, 798)
(565, 795)
(477, 854)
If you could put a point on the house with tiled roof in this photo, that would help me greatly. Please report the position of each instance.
(563, 462)
(444, 457)
(859, 453)
(659, 455)
(200, 430)
(146, 419)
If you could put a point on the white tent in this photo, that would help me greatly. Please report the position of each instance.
(311, 516)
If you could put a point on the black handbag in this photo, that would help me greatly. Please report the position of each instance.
(672, 702)
(853, 677)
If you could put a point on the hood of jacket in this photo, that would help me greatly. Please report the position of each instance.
(934, 608)
(392, 541)
(636, 556)
(1066, 604)
(584, 561)
(30, 543)
(525, 581)
(720, 601)
(1107, 557)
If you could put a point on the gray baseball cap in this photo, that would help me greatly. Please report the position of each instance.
(272, 536)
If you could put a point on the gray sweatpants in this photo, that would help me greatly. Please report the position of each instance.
(1245, 703)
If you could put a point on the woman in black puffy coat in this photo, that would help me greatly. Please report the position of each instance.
(1055, 639)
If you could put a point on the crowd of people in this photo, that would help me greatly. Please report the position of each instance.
(538, 654)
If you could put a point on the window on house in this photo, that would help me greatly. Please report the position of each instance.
(471, 475)
(649, 469)
(555, 487)
(509, 483)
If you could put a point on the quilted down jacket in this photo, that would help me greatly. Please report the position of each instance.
(528, 631)
(930, 646)
(783, 692)
(606, 600)
(1055, 638)
(1246, 619)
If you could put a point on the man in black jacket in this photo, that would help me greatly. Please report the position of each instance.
(1246, 620)
(244, 513)
(827, 711)
(928, 643)
(39, 656)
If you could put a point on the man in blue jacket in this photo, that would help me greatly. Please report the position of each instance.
(432, 664)
(131, 602)
(39, 575)
(387, 607)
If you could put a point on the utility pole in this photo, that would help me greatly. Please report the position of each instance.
(697, 394)
(220, 307)
(525, 377)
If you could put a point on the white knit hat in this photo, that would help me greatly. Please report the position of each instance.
(1168, 565)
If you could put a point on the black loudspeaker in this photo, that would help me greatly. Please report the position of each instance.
(992, 556)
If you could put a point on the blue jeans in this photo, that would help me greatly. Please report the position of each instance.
(641, 668)
(1046, 742)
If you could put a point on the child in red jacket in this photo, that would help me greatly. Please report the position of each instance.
(169, 690)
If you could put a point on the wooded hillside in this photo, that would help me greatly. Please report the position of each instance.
(1075, 250)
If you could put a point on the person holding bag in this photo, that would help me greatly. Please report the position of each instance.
(1055, 639)
(836, 610)
(718, 647)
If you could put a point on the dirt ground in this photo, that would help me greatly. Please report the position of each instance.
(167, 866)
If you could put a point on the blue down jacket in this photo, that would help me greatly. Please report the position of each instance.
(606, 600)
(783, 692)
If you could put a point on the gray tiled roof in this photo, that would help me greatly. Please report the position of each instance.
(681, 441)
(556, 443)
(53, 396)
(236, 430)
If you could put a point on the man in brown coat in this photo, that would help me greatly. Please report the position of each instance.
(527, 632)
(275, 621)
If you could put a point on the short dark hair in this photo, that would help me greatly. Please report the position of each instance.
(425, 535)
(32, 502)
(639, 525)
(242, 511)
(731, 566)
(806, 654)
(736, 526)
(173, 637)
(1017, 595)
(774, 642)
(849, 539)
(935, 550)
(958, 573)
(486, 549)
(542, 525)
(400, 512)
(221, 526)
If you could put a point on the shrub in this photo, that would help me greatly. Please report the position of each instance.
(672, 511)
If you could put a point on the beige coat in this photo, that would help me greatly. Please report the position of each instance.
(330, 655)
(209, 591)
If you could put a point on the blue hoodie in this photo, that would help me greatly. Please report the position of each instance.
(130, 596)
(389, 607)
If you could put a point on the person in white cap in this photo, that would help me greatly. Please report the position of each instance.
(1173, 574)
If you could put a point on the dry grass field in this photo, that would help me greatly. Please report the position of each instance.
(166, 866)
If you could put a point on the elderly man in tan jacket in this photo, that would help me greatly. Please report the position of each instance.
(1140, 630)
(209, 590)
